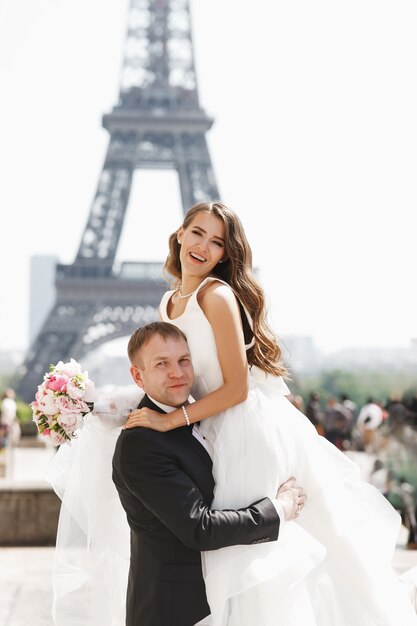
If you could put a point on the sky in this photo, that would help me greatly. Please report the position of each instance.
(314, 145)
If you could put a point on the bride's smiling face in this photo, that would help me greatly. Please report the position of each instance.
(202, 244)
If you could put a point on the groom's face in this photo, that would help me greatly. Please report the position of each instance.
(163, 368)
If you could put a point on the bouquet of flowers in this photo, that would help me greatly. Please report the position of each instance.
(61, 402)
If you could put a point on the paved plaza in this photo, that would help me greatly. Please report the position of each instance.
(25, 573)
(25, 584)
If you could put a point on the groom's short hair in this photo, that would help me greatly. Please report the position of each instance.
(142, 335)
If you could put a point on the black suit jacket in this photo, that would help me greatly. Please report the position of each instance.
(165, 484)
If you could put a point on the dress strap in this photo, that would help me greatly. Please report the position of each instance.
(241, 305)
(163, 305)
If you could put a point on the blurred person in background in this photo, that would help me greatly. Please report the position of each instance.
(412, 409)
(379, 476)
(397, 411)
(298, 402)
(369, 419)
(337, 424)
(401, 495)
(314, 412)
(348, 404)
(350, 408)
(9, 422)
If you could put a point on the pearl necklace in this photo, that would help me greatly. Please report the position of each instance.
(186, 295)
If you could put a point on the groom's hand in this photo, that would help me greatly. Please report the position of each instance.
(292, 498)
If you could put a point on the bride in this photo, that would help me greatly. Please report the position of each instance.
(330, 567)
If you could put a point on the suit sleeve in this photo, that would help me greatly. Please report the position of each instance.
(152, 475)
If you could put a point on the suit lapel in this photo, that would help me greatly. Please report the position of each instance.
(183, 433)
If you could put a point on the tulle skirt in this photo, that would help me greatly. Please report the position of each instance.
(93, 540)
(329, 567)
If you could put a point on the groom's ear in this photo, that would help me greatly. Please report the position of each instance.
(136, 375)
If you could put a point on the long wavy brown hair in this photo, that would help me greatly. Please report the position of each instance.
(236, 270)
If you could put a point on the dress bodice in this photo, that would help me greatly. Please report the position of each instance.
(196, 327)
(201, 341)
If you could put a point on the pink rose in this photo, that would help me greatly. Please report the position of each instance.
(57, 382)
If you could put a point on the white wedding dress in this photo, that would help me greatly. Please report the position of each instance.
(330, 567)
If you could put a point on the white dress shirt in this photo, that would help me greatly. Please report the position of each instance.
(370, 416)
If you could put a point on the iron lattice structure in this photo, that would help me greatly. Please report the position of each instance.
(157, 124)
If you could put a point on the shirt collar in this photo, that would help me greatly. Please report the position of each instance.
(166, 407)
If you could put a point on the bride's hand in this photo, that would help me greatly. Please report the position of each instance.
(292, 498)
(146, 418)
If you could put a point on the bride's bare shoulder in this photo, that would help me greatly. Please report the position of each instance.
(216, 294)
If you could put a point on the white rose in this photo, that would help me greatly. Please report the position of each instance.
(42, 387)
(70, 421)
(74, 391)
(90, 391)
(69, 369)
(47, 404)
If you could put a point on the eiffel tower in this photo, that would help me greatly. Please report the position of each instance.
(157, 124)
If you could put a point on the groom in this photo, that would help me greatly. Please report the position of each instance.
(165, 484)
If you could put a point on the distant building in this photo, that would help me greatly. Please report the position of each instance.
(105, 368)
(373, 358)
(301, 356)
(42, 291)
(300, 353)
(10, 360)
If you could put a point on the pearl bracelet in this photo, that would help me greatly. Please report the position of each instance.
(187, 419)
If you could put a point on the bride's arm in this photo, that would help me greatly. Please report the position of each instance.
(114, 403)
(222, 311)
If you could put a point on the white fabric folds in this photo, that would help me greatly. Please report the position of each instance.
(331, 566)
(93, 540)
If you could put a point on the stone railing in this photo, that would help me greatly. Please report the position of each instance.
(29, 514)
(29, 508)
